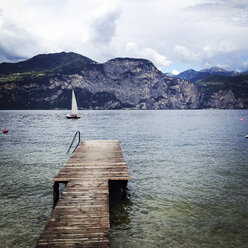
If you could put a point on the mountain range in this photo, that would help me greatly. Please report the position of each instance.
(45, 82)
(194, 76)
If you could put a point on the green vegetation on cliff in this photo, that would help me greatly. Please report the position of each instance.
(238, 85)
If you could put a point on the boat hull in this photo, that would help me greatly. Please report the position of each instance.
(72, 117)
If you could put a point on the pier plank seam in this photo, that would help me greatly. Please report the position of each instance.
(81, 216)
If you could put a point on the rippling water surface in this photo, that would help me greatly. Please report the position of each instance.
(189, 174)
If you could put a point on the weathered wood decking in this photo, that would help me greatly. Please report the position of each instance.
(81, 216)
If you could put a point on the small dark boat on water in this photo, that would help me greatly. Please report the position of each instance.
(72, 116)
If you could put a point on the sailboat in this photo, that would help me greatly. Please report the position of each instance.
(74, 108)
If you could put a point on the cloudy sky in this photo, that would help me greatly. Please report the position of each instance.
(174, 34)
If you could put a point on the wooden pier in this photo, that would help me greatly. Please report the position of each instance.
(81, 216)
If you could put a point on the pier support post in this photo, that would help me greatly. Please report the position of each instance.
(124, 184)
(124, 188)
(55, 193)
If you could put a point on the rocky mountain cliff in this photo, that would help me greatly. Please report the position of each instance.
(224, 92)
(219, 88)
(45, 82)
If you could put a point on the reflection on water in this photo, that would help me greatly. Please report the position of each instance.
(189, 174)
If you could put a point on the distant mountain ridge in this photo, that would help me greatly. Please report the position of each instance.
(193, 76)
(220, 71)
(46, 62)
(45, 82)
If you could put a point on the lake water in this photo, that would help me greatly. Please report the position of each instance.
(189, 172)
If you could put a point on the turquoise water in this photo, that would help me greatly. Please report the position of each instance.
(189, 174)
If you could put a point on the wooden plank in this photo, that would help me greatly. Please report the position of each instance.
(95, 164)
(81, 216)
(91, 171)
(66, 179)
(95, 160)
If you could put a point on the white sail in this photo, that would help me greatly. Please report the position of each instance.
(74, 109)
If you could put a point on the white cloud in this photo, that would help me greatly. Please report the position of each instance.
(159, 60)
(131, 46)
(175, 72)
(186, 54)
(182, 50)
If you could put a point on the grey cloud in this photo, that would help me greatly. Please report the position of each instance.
(8, 56)
(104, 27)
(233, 4)
(238, 4)
(16, 43)
(231, 11)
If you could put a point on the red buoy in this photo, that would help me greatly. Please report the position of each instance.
(241, 119)
(5, 130)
